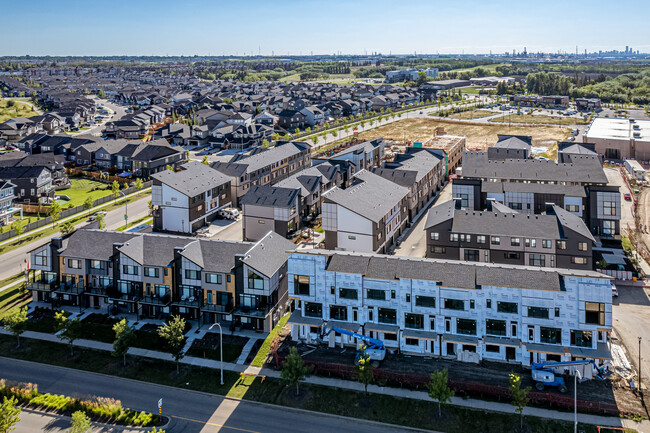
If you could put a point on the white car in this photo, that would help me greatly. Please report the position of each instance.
(614, 291)
(229, 213)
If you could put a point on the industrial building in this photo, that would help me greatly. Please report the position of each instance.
(620, 138)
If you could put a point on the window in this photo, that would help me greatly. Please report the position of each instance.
(467, 238)
(595, 313)
(435, 236)
(550, 335)
(74, 263)
(582, 246)
(507, 307)
(495, 240)
(537, 260)
(96, 264)
(471, 304)
(495, 327)
(609, 208)
(255, 281)
(453, 237)
(392, 294)
(301, 285)
(454, 304)
(129, 270)
(573, 208)
(609, 227)
(412, 341)
(408, 297)
(480, 239)
(313, 309)
(511, 255)
(438, 250)
(581, 338)
(492, 348)
(515, 242)
(191, 274)
(557, 311)
(338, 312)
(414, 321)
(387, 315)
(348, 293)
(378, 295)
(212, 278)
(579, 260)
(488, 303)
(561, 245)
(538, 312)
(425, 301)
(546, 243)
(151, 272)
(471, 255)
(465, 326)
(515, 206)
(40, 258)
(390, 336)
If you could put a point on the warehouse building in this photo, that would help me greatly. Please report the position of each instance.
(620, 138)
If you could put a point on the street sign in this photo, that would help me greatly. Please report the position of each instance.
(160, 403)
(126, 217)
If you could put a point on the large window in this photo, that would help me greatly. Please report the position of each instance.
(495, 240)
(609, 208)
(425, 301)
(151, 272)
(377, 295)
(414, 321)
(97, 264)
(507, 307)
(453, 237)
(338, 312)
(546, 243)
(74, 263)
(454, 304)
(538, 312)
(609, 227)
(581, 338)
(191, 274)
(579, 260)
(313, 309)
(301, 285)
(466, 326)
(387, 315)
(211, 278)
(582, 246)
(471, 255)
(537, 260)
(129, 270)
(595, 313)
(40, 258)
(495, 327)
(348, 293)
(561, 245)
(550, 335)
(515, 242)
(435, 236)
(255, 281)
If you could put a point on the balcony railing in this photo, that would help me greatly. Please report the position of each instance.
(101, 291)
(70, 289)
(188, 302)
(217, 308)
(41, 286)
(156, 300)
(129, 297)
(252, 312)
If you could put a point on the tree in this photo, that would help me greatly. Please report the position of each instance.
(9, 414)
(173, 334)
(205, 160)
(101, 224)
(124, 338)
(138, 184)
(519, 396)
(101, 94)
(275, 136)
(66, 227)
(115, 189)
(265, 143)
(55, 212)
(88, 203)
(155, 430)
(67, 329)
(18, 227)
(439, 390)
(170, 168)
(296, 131)
(15, 321)
(294, 370)
(363, 369)
(80, 423)
(314, 140)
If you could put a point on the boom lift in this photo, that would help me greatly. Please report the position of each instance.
(374, 348)
(543, 375)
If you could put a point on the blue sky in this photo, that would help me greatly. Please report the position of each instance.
(216, 27)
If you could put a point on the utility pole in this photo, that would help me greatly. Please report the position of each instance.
(640, 390)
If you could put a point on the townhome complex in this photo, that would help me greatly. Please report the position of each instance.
(155, 276)
(458, 310)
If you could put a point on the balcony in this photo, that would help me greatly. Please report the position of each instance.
(194, 302)
(41, 286)
(213, 308)
(70, 289)
(100, 291)
(156, 300)
(251, 311)
(127, 297)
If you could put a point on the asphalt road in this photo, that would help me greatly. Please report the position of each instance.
(231, 232)
(190, 411)
(13, 261)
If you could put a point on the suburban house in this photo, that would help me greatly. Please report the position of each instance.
(7, 206)
(463, 311)
(272, 208)
(188, 199)
(33, 184)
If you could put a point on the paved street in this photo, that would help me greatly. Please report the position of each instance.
(191, 411)
(231, 232)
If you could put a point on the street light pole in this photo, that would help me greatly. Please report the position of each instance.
(640, 390)
(220, 347)
(126, 210)
(575, 402)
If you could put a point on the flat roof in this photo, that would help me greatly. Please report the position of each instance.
(619, 129)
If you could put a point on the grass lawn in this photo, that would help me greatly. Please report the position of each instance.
(13, 298)
(263, 353)
(143, 220)
(527, 118)
(208, 347)
(290, 78)
(471, 90)
(18, 110)
(81, 189)
(473, 114)
(383, 408)
(12, 279)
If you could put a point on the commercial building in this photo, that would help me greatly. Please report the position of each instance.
(620, 138)
(458, 310)
(411, 74)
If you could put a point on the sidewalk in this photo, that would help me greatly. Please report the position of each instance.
(642, 427)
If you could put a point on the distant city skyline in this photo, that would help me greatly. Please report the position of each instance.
(288, 27)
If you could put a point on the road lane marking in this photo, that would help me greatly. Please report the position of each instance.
(214, 424)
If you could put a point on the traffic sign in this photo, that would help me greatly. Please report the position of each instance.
(126, 217)
(160, 403)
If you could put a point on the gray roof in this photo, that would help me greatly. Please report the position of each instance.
(269, 254)
(405, 178)
(272, 196)
(572, 222)
(195, 178)
(271, 156)
(153, 249)
(513, 142)
(215, 255)
(94, 244)
(348, 264)
(439, 214)
(536, 188)
(370, 196)
(421, 161)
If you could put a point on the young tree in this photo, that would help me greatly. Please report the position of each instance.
(205, 160)
(294, 370)
(80, 423)
(15, 321)
(439, 390)
(9, 414)
(173, 332)
(155, 430)
(115, 189)
(363, 369)
(18, 227)
(519, 396)
(275, 136)
(265, 143)
(314, 140)
(124, 338)
(101, 224)
(66, 227)
(296, 131)
(55, 212)
(170, 168)
(138, 184)
(67, 329)
(88, 203)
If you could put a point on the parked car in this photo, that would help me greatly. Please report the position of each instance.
(94, 216)
(229, 213)
(614, 291)
(627, 196)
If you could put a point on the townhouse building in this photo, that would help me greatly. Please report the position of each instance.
(556, 238)
(362, 156)
(367, 216)
(188, 199)
(154, 276)
(273, 208)
(456, 310)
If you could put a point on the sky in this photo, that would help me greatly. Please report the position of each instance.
(281, 27)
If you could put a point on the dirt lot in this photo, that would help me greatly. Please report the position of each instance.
(474, 114)
(525, 118)
(478, 134)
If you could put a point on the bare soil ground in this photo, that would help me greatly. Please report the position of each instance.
(477, 134)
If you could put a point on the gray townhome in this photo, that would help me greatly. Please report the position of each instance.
(272, 208)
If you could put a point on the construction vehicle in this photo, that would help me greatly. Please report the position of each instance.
(543, 374)
(374, 348)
